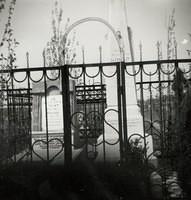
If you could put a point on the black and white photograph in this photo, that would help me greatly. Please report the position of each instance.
(95, 99)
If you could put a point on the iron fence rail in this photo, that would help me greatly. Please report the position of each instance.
(80, 104)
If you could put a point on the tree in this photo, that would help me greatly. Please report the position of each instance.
(53, 51)
(2, 5)
(182, 128)
(8, 43)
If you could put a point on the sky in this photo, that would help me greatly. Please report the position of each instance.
(148, 20)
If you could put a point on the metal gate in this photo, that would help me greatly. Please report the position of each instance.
(15, 123)
(84, 110)
(23, 96)
(86, 93)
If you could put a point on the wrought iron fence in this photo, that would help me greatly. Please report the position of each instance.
(98, 110)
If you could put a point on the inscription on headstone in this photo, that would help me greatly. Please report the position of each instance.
(54, 113)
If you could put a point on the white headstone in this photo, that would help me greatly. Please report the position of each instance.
(54, 113)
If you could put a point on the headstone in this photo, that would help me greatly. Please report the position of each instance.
(54, 113)
(47, 113)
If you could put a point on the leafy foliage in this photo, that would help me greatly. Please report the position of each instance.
(56, 46)
(182, 128)
(2, 5)
(8, 43)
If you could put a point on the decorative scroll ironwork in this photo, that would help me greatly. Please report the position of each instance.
(86, 113)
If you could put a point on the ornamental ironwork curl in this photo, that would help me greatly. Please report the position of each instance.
(25, 76)
(78, 75)
(56, 75)
(149, 73)
(92, 76)
(39, 79)
(170, 69)
(113, 74)
(47, 142)
(135, 72)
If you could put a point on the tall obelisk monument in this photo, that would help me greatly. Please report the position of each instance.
(117, 17)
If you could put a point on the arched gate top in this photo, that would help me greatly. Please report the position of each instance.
(97, 19)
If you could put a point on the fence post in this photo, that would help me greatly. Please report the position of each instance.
(124, 110)
(119, 93)
(66, 115)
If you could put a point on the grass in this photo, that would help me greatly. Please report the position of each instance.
(81, 180)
